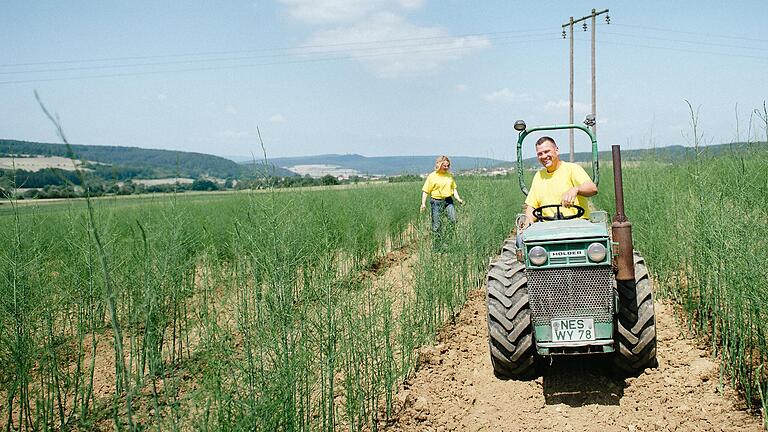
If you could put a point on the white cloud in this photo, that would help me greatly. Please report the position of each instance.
(231, 109)
(461, 88)
(411, 49)
(162, 96)
(336, 11)
(562, 106)
(411, 4)
(277, 118)
(234, 134)
(506, 95)
(375, 32)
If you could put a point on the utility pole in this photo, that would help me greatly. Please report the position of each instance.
(570, 99)
(570, 24)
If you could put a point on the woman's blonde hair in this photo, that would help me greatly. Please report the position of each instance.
(440, 160)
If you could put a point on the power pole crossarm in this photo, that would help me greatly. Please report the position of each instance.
(585, 17)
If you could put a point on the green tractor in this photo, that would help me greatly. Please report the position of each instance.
(572, 287)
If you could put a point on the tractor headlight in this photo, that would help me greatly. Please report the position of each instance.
(537, 255)
(596, 252)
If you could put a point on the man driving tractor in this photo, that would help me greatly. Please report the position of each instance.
(572, 286)
(563, 183)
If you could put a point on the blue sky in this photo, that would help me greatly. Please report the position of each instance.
(376, 77)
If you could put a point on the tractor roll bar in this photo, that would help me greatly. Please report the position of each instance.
(525, 132)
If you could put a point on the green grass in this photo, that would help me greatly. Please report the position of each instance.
(240, 311)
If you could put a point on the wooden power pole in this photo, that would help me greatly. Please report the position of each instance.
(570, 24)
(570, 99)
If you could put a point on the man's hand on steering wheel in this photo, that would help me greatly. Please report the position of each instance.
(569, 197)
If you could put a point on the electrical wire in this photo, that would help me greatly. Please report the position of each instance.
(352, 52)
(212, 68)
(537, 32)
(719, 45)
(343, 51)
(668, 48)
(689, 32)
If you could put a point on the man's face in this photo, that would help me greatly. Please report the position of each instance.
(548, 155)
(445, 165)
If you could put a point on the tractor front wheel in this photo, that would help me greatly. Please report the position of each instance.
(636, 324)
(509, 320)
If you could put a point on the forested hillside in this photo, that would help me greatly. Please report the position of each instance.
(131, 161)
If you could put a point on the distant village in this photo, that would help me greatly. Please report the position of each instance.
(346, 174)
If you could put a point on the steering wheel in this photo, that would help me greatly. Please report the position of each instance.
(537, 213)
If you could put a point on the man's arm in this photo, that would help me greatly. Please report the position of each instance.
(423, 201)
(529, 214)
(586, 189)
(532, 200)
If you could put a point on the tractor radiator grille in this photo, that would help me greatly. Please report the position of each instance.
(571, 293)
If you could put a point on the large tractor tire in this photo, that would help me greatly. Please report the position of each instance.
(636, 324)
(510, 331)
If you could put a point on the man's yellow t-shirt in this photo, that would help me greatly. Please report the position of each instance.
(548, 188)
(439, 185)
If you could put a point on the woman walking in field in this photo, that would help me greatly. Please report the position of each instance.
(441, 188)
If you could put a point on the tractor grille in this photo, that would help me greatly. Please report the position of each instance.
(567, 260)
(571, 293)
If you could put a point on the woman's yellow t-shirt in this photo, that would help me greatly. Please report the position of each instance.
(439, 185)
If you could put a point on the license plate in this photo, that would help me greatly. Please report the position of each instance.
(573, 329)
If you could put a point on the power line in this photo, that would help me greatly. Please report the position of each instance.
(346, 50)
(212, 68)
(537, 32)
(291, 53)
(668, 48)
(685, 41)
(691, 33)
(689, 41)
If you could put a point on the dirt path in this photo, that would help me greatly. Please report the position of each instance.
(455, 389)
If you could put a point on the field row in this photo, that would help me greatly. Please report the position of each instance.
(237, 312)
(702, 225)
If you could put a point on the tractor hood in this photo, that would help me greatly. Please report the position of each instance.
(564, 230)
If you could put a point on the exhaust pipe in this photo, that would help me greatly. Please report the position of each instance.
(621, 227)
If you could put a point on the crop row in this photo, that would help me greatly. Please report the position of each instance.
(703, 227)
(243, 311)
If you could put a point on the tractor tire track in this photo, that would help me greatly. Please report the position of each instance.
(454, 388)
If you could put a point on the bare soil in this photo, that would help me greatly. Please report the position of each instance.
(455, 388)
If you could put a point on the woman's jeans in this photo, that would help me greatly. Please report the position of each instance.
(440, 206)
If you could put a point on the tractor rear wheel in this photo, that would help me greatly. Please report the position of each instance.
(510, 334)
(636, 324)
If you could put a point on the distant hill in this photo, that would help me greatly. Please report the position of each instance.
(669, 154)
(379, 165)
(130, 162)
(163, 162)
(259, 168)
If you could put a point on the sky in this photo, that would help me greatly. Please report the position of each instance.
(377, 77)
